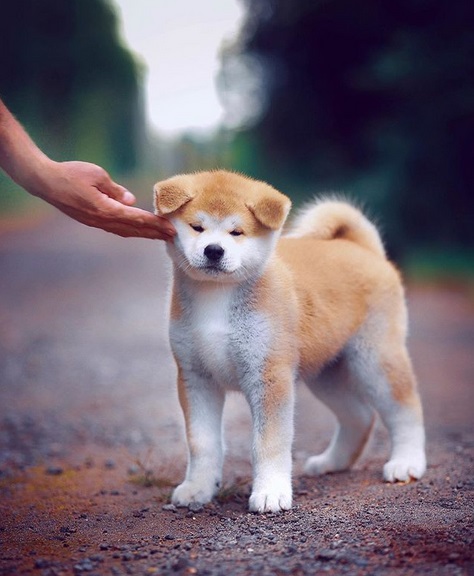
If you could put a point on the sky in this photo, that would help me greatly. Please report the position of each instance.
(178, 41)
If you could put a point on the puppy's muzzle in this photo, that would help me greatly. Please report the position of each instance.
(214, 253)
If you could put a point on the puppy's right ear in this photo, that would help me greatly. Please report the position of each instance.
(169, 196)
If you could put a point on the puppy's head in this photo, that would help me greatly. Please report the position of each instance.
(227, 224)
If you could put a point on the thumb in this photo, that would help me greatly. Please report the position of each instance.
(127, 197)
(115, 191)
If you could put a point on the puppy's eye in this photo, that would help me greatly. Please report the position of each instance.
(236, 232)
(197, 228)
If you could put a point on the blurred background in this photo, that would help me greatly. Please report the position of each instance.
(372, 99)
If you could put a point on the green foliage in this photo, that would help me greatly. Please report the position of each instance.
(373, 98)
(65, 74)
(442, 264)
(12, 199)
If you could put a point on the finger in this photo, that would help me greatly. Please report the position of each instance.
(138, 218)
(127, 197)
(115, 191)
(135, 221)
(127, 230)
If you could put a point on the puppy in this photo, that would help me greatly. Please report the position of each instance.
(254, 312)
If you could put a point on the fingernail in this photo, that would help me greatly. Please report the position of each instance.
(128, 197)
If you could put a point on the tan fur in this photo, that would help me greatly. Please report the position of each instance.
(336, 283)
(268, 206)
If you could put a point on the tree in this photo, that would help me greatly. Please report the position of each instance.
(65, 73)
(373, 97)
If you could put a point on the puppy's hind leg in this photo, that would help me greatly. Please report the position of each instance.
(401, 412)
(355, 420)
(388, 382)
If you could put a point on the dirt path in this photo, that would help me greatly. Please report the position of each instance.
(91, 435)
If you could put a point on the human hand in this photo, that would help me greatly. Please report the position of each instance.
(86, 192)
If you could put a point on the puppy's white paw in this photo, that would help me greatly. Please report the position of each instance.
(321, 464)
(269, 501)
(405, 469)
(191, 492)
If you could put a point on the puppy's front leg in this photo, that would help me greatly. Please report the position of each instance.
(272, 412)
(202, 403)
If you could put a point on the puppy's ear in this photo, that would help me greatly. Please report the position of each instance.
(271, 208)
(169, 196)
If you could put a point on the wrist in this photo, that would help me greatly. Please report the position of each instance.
(37, 174)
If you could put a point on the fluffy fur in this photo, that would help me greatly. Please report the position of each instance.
(252, 311)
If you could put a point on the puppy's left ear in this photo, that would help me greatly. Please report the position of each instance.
(170, 195)
(271, 209)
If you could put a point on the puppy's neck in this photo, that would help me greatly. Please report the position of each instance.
(193, 286)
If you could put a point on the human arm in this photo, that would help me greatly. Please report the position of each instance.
(81, 190)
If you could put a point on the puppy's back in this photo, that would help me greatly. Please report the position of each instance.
(339, 273)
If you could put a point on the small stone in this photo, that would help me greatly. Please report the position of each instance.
(326, 554)
(85, 566)
(196, 507)
(54, 470)
(181, 564)
(97, 558)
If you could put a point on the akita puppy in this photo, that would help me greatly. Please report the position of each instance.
(254, 312)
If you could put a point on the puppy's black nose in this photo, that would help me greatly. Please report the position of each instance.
(213, 252)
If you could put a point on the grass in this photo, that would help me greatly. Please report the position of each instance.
(165, 477)
(143, 475)
(236, 490)
(148, 479)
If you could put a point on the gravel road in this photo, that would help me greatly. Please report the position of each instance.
(91, 435)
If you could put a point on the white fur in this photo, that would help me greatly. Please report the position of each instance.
(211, 330)
(243, 259)
(204, 471)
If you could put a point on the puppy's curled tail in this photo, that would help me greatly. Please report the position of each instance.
(331, 219)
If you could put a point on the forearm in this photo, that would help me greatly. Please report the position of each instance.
(81, 190)
(20, 158)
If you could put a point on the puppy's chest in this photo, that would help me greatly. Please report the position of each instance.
(221, 338)
(212, 329)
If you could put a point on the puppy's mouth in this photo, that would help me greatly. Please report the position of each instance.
(214, 269)
(219, 269)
